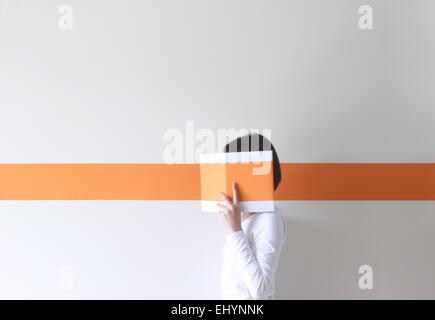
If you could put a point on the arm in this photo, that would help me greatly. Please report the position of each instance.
(257, 265)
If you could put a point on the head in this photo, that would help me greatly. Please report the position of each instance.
(256, 142)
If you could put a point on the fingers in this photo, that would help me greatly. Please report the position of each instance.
(224, 196)
(225, 206)
(227, 201)
(223, 209)
(235, 193)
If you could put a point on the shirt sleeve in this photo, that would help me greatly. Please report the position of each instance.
(257, 264)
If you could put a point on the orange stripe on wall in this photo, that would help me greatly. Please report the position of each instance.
(99, 182)
(300, 181)
(357, 181)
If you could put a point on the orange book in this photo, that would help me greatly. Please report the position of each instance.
(253, 173)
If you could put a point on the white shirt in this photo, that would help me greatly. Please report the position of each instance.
(251, 256)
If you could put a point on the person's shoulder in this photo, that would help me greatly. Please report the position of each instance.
(270, 225)
(272, 217)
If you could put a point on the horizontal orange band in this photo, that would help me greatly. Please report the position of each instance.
(357, 181)
(308, 181)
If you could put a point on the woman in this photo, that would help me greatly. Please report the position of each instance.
(254, 241)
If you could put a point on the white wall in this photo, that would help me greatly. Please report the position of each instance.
(129, 70)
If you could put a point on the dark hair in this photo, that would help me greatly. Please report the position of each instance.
(256, 142)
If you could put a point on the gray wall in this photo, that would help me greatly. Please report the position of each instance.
(129, 70)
